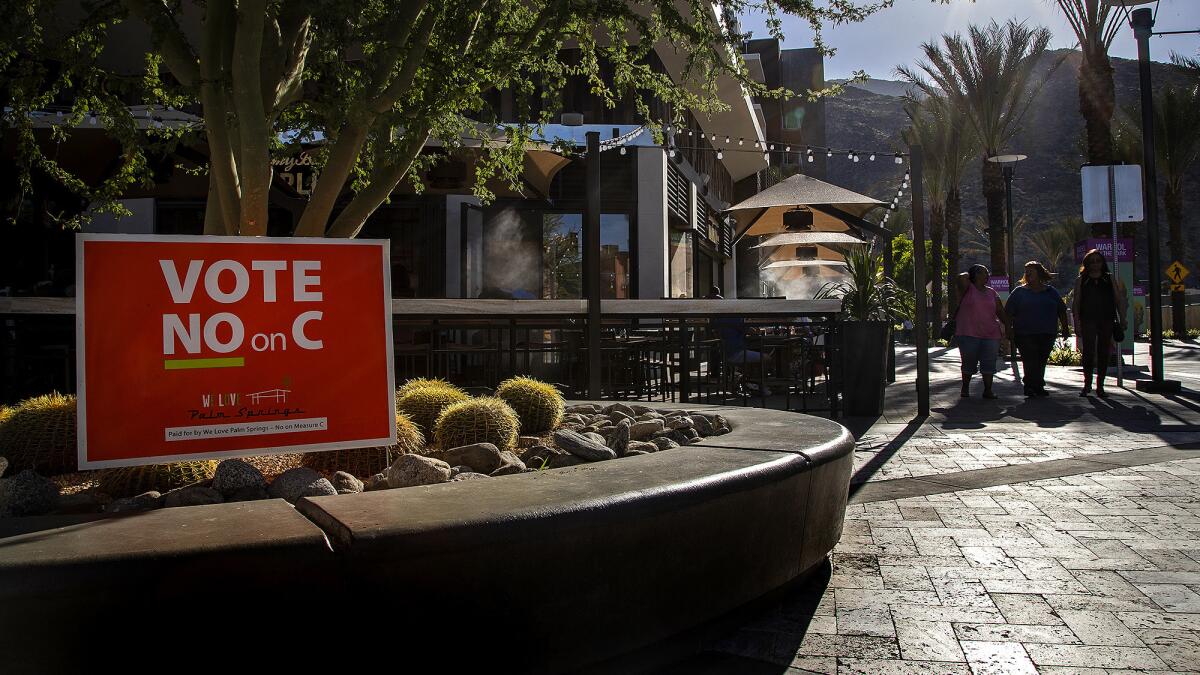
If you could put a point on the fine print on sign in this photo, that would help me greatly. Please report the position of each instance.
(998, 283)
(199, 347)
(1176, 272)
(1105, 247)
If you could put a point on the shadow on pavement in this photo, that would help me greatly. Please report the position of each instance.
(761, 638)
(864, 473)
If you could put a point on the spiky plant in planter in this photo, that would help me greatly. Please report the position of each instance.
(422, 383)
(39, 434)
(479, 420)
(366, 462)
(538, 405)
(423, 405)
(128, 481)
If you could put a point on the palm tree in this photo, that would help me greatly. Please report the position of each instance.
(943, 133)
(1054, 244)
(1177, 146)
(989, 75)
(1096, 25)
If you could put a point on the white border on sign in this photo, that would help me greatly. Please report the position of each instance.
(81, 359)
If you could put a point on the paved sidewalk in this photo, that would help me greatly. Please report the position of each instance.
(1078, 552)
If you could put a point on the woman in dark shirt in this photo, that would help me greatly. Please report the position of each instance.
(1098, 304)
(1035, 307)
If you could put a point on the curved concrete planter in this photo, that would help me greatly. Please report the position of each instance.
(544, 572)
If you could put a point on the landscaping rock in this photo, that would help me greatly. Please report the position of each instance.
(300, 482)
(703, 425)
(665, 443)
(563, 461)
(618, 440)
(582, 446)
(250, 493)
(584, 408)
(647, 417)
(721, 424)
(641, 446)
(596, 437)
(234, 474)
(527, 441)
(346, 483)
(80, 502)
(644, 430)
(192, 495)
(468, 475)
(640, 409)
(411, 470)
(27, 494)
(616, 417)
(147, 501)
(510, 464)
(621, 408)
(680, 423)
(480, 457)
(632, 453)
(376, 482)
(538, 455)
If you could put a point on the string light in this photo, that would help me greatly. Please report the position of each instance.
(899, 158)
(671, 153)
(741, 141)
(726, 140)
(622, 150)
(788, 149)
(766, 157)
(872, 157)
(829, 153)
(720, 155)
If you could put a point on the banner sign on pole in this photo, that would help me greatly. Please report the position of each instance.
(1105, 246)
(1126, 194)
(998, 283)
(203, 347)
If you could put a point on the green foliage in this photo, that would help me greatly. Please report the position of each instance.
(478, 420)
(423, 405)
(538, 405)
(366, 462)
(902, 260)
(39, 434)
(866, 294)
(1063, 354)
(128, 481)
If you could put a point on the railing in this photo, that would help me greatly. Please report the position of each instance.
(764, 352)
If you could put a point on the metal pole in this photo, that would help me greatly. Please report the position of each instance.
(591, 263)
(1143, 28)
(919, 321)
(1116, 271)
(889, 271)
(1011, 271)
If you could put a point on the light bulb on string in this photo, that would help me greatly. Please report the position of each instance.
(726, 140)
(766, 157)
(787, 149)
(771, 147)
(904, 184)
(829, 153)
(741, 141)
(872, 157)
(622, 150)
(713, 138)
(899, 193)
(671, 153)
(899, 158)
(720, 155)
(850, 155)
(856, 159)
(811, 159)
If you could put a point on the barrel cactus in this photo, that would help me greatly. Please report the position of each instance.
(128, 481)
(422, 383)
(366, 462)
(39, 434)
(477, 420)
(538, 405)
(424, 404)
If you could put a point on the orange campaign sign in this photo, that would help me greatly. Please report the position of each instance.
(203, 347)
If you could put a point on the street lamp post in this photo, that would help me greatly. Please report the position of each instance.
(1007, 163)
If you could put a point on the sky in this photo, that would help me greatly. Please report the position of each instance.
(894, 36)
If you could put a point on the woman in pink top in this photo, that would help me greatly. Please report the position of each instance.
(980, 323)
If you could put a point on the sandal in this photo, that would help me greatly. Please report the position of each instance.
(988, 394)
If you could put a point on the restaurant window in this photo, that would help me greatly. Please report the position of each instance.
(793, 117)
(417, 250)
(562, 256)
(680, 269)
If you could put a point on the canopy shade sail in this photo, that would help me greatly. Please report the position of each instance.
(809, 238)
(804, 263)
(834, 208)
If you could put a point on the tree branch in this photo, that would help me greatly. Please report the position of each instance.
(223, 174)
(385, 179)
(177, 53)
(412, 62)
(342, 157)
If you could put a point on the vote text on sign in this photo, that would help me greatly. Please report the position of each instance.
(196, 347)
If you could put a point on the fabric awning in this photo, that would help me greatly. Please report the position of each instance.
(809, 238)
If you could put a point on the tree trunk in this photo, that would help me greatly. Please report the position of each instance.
(1173, 200)
(953, 227)
(993, 194)
(1096, 102)
(937, 226)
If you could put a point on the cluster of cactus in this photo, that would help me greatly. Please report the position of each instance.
(40, 434)
(538, 405)
(478, 420)
(366, 462)
(128, 481)
(423, 404)
(421, 383)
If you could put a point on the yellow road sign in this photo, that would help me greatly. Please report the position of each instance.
(1177, 272)
(1176, 287)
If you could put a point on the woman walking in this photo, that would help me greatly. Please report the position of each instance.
(1098, 307)
(980, 321)
(1035, 306)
